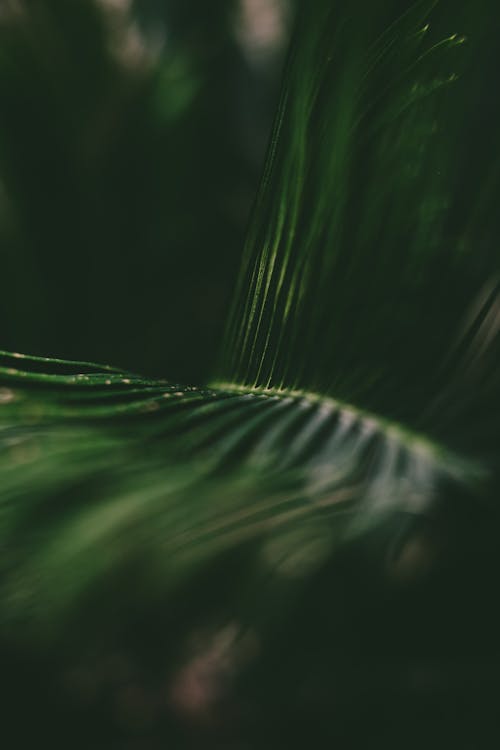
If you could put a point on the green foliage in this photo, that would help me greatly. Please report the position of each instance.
(307, 511)
(368, 210)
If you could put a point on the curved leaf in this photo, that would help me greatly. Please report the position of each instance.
(98, 467)
(376, 228)
(352, 395)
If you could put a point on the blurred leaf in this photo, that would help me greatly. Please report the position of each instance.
(354, 405)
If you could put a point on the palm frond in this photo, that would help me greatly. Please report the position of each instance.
(358, 384)
(375, 230)
(99, 465)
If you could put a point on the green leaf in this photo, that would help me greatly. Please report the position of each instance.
(359, 381)
(337, 394)
(375, 229)
(99, 467)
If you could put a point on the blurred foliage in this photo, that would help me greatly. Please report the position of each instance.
(131, 140)
(304, 554)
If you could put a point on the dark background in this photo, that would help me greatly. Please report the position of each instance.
(132, 137)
